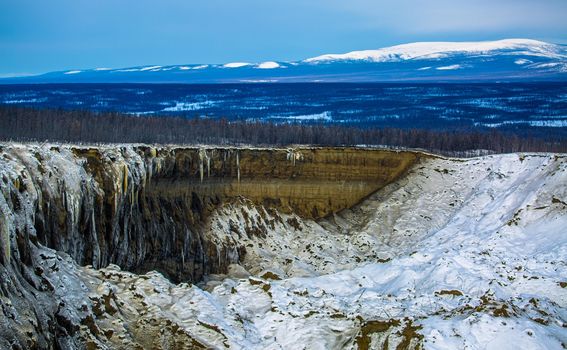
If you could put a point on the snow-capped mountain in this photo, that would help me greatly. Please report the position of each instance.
(440, 50)
(502, 60)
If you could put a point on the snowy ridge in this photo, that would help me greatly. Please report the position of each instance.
(495, 61)
(434, 50)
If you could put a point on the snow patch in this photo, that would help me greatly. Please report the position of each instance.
(326, 116)
(203, 66)
(549, 123)
(150, 68)
(236, 65)
(186, 106)
(31, 100)
(259, 81)
(558, 66)
(522, 61)
(127, 70)
(268, 65)
(451, 67)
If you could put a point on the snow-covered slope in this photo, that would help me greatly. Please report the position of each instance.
(510, 59)
(473, 253)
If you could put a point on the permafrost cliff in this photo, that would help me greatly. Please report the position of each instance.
(315, 247)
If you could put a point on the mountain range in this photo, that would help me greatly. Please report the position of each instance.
(489, 61)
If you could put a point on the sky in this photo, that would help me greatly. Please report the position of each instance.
(40, 36)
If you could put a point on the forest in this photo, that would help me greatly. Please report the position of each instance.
(23, 124)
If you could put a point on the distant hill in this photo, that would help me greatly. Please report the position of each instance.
(502, 60)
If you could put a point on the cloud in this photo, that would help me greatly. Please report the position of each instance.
(443, 16)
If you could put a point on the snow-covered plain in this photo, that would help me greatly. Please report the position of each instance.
(459, 254)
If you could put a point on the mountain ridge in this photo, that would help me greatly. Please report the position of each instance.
(500, 60)
(436, 49)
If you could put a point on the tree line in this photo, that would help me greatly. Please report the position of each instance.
(76, 126)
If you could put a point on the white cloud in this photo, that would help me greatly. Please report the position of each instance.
(454, 16)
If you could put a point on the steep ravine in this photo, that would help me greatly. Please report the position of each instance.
(144, 208)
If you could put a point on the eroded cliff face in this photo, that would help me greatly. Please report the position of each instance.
(142, 208)
(145, 208)
(311, 182)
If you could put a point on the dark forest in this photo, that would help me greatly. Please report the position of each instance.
(55, 125)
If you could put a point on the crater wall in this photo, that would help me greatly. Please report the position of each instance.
(143, 207)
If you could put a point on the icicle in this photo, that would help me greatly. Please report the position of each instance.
(125, 182)
(202, 157)
(149, 170)
(238, 166)
(93, 222)
(292, 155)
(4, 235)
(208, 167)
(218, 254)
(132, 200)
(158, 166)
(183, 257)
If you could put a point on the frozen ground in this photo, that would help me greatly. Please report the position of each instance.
(458, 255)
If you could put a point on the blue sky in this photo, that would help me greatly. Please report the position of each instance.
(39, 36)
